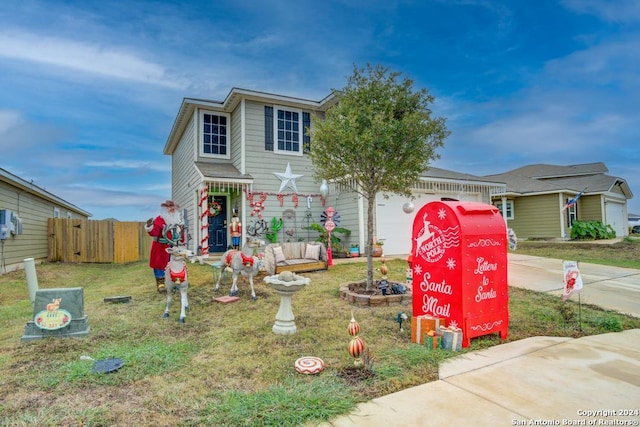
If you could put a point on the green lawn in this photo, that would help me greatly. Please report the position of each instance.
(225, 366)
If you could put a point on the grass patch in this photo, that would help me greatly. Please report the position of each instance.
(622, 254)
(294, 402)
(225, 366)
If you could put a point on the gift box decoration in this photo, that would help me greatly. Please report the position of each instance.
(451, 338)
(432, 340)
(420, 325)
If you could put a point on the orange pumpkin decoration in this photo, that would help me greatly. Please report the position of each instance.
(355, 347)
(384, 270)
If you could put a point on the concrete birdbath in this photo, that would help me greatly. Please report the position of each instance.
(286, 284)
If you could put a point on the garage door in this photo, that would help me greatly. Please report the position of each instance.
(615, 217)
(394, 226)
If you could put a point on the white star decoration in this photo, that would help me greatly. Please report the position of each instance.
(288, 179)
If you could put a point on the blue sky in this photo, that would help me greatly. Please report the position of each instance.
(89, 89)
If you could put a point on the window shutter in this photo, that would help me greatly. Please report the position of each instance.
(306, 139)
(268, 128)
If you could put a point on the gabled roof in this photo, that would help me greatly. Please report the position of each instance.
(541, 178)
(30, 187)
(230, 103)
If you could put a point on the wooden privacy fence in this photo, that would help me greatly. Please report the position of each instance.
(82, 240)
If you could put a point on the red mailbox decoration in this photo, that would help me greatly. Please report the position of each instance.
(459, 267)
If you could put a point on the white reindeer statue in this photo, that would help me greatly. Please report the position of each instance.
(241, 262)
(178, 278)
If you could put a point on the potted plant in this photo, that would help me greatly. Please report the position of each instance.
(354, 251)
(376, 248)
(336, 247)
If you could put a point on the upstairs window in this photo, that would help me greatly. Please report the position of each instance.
(285, 130)
(215, 135)
(288, 131)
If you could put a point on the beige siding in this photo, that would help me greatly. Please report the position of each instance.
(262, 164)
(34, 212)
(590, 208)
(185, 179)
(536, 217)
(236, 138)
(347, 205)
(617, 190)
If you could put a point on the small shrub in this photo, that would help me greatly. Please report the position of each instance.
(609, 322)
(591, 230)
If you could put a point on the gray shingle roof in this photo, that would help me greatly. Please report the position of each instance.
(545, 171)
(543, 178)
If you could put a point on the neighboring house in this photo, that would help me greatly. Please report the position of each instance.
(534, 204)
(26, 208)
(246, 155)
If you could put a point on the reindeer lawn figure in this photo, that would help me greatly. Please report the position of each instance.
(241, 262)
(177, 277)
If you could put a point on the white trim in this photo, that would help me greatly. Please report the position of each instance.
(508, 207)
(300, 131)
(243, 137)
(362, 222)
(200, 136)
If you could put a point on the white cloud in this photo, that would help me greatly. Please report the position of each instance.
(130, 164)
(612, 11)
(9, 120)
(84, 57)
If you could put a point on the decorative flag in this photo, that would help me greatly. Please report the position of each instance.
(572, 201)
(572, 279)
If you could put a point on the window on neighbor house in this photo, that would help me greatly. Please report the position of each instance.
(572, 213)
(285, 130)
(509, 209)
(56, 212)
(215, 135)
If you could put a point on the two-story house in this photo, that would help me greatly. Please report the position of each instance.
(246, 156)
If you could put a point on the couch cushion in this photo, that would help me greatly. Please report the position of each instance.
(278, 254)
(294, 250)
(312, 252)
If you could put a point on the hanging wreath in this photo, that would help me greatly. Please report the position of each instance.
(214, 208)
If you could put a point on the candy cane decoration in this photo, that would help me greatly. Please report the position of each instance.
(204, 221)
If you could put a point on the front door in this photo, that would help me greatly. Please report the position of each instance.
(217, 224)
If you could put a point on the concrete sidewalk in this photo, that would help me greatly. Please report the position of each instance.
(537, 381)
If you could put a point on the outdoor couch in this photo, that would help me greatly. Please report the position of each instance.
(294, 256)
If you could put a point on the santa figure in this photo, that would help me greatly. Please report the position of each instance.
(162, 228)
(235, 229)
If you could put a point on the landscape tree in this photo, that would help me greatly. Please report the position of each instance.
(379, 137)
